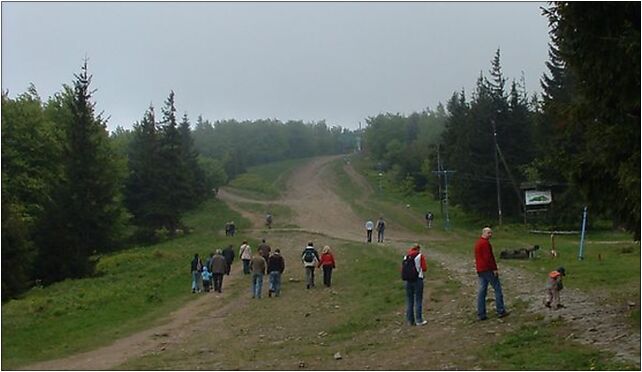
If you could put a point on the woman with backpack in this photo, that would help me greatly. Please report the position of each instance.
(310, 259)
(327, 263)
(413, 268)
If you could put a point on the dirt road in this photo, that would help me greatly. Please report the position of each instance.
(317, 210)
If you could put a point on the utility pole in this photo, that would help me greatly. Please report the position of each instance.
(439, 169)
(499, 198)
(580, 255)
(512, 180)
(444, 202)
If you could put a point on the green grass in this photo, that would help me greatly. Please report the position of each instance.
(611, 269)
(366, 287)
(266, 182)
(544, 347)
(137, 287)
(132, 290)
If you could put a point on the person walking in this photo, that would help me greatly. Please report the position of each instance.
(264, 249)
(207, 279)
(310, 259)
(276, 266)
(369, 227)
(258, 266)
(208, 263)
(487, 272)
(412, 272)
(245, 253)
(327, 263)
(219, 265)
(381, 227)
(429, 218)
(195, 269)
(228, 253)
(553, 287)
(232, 228)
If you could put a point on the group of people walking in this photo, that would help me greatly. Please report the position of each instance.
(311, 260)
(230, 228)
(381, 228)
(209, 276)
(414, 266)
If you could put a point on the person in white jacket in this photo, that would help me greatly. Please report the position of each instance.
(369, 228)
(245, 253)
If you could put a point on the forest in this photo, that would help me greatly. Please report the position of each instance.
(577, 137)
(71, 190)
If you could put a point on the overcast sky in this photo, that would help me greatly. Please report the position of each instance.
(303, 61)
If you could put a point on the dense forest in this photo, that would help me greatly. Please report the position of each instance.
(581, 136)
(71, 190)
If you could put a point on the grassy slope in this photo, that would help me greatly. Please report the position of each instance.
(529, 346)
(133, 289)
(607, 267)
(140, 285)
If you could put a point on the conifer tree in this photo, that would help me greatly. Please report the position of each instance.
(174, 186)
(85, 215)
(196, 190)
(600, 47)
(142, 194)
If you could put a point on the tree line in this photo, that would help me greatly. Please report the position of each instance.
(71, 191)
(582, 135)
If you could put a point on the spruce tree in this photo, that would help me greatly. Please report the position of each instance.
(174, 186)
(142, 193)
(196, 191)
(85, 215)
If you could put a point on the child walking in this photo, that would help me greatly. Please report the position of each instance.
(553, 287)
(207, 279)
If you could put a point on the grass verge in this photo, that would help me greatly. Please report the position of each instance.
(133, 289)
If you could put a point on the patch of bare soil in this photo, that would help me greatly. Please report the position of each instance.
(320, 213)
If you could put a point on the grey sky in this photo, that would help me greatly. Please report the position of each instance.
(304, 61)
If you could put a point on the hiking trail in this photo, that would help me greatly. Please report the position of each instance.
(318, 211)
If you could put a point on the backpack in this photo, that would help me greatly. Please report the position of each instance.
(409, 270)
(308, 256)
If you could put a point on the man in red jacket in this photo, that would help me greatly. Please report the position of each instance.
(487, 272)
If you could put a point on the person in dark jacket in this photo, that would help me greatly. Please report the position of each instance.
(219, 265)
(264, 249)
(487, 273)
(228, 253)
(310, 259)
(381, 228)
(276, 266)
(195, 269)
